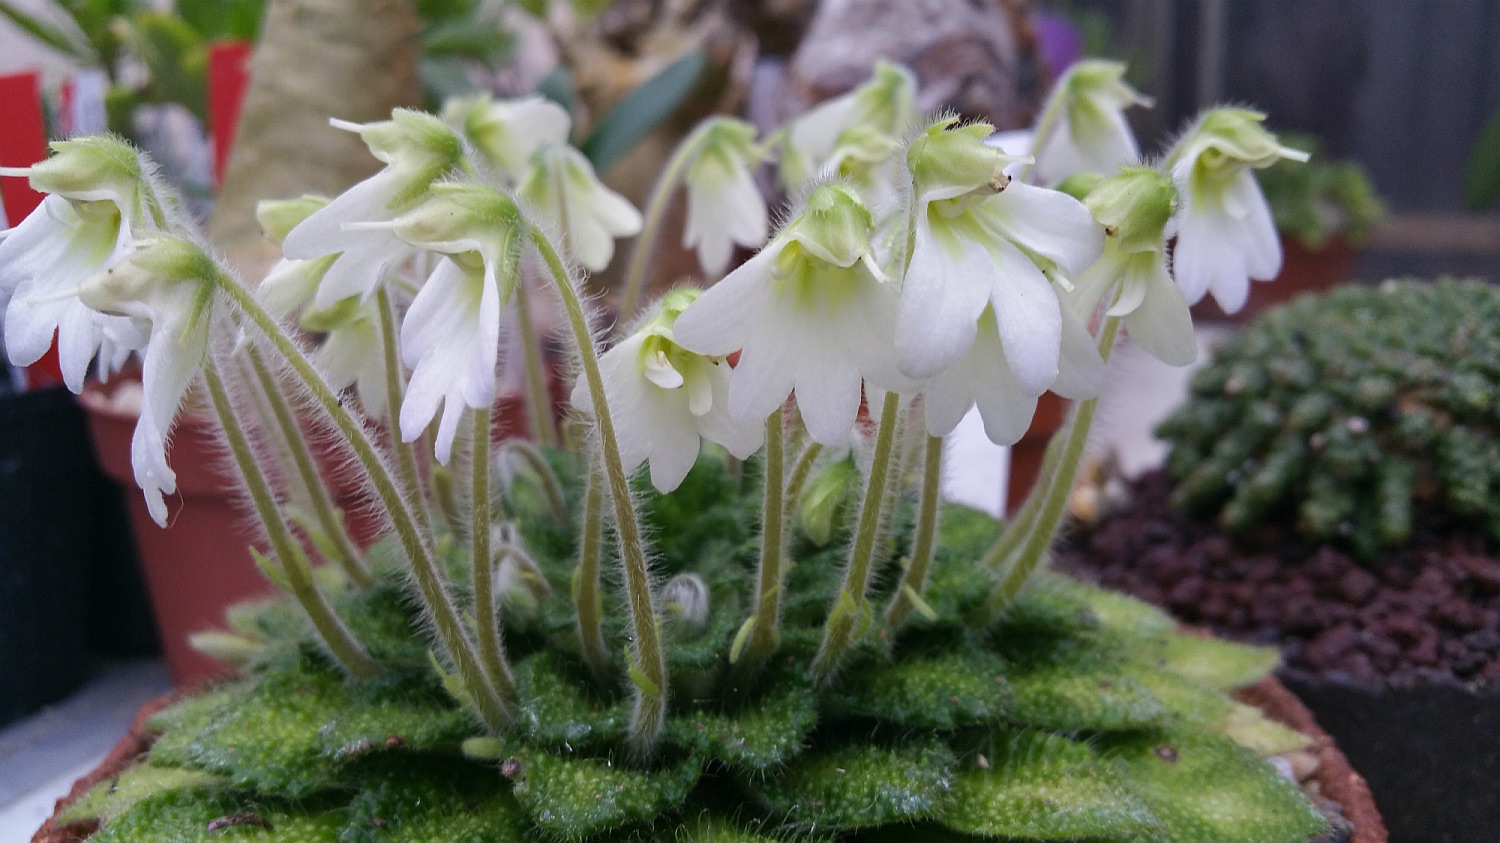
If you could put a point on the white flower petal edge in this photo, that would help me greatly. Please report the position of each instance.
(1051, 224)
(368, 255)
(1029, 317)
(174, 352)
(451, 339)
(982, 376)
(941, 300)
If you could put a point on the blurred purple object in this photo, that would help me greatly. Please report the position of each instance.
(1060, 42)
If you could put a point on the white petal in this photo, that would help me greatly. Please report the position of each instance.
(828, 397)
(171, 361)
(741, 438)
(658, 370)
(1029, 317)
(323, 233)
(1081, 372)
(946, 288)
(1162, 324)
(1047, 222)
(1258, 237)
(716, 323)
(674, 442)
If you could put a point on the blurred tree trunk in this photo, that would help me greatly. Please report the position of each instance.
(316, 59)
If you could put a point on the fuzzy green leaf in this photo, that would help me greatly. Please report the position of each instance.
(860, 785)
(1248, 727)
(1044, 787)
(189, 816)
(114, 796)
(571, 797)
(942, 690)
(1217, 664)
(759, 736)
(431, 800)
(558, 709)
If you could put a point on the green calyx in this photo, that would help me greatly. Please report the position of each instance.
(949, 160)
(87, 167)
(834, 227)
(1225, 140)
(156, 262)
(887, 99)
(277, 217)
(1134, 207)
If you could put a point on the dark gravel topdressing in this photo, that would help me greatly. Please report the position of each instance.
(1428, 613)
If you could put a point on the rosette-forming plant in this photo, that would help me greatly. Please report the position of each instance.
(550, 645)
(1358, 415)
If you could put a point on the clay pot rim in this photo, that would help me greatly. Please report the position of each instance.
(1337, 780)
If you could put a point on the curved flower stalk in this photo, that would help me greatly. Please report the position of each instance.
(451, 334)
(418, 149)
(1134, 207)
(884, 104)
(1225, 234)
(811, 312)
(667, 399)
(1083, 127)
(980, 316)
(561, 188)
(506, 133)
(166, 286)
(100, 194)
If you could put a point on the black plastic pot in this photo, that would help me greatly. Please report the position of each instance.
(67, 575)
(1431, 753)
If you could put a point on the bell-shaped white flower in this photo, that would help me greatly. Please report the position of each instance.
(665, 399)
(1134, 208)
(811, 312)
(291, 284)
(417, 150)
(979, 313)
(451, 334)
(560, 186)
(1225, 234)
(724, 205)
(353, 351)
(886, 104)
(1089, 132)
(100, 194)
(507, 132)
(166, 288)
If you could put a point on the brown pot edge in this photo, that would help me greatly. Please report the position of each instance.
(1335, 777)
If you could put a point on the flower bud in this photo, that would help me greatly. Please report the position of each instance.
(823, 509)
(685, 599)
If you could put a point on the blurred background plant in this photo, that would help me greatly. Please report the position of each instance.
(1321, 199)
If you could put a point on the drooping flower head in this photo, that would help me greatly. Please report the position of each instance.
(100, 194)
(451, 334)
(665, 399)
(506, 133)
(1090, 133)
(418, 149)
(884, 105)
(811, 312)
(724, 207)
(291, 284)
(166, 287)
(989, 259)
(1134, 207)
(561, 188)
(1225, 234)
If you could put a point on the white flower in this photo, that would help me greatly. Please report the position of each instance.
(1134, 208)
(665, 399)
(451, 334)
(353, 350)
(1090, 133)
(417, 149)
(561, 187)
(99, 196)
(885, 104)
(724, 206)
(810, 312)
(979, 311)
(1225, 234)
(166, 288)
(507, 132)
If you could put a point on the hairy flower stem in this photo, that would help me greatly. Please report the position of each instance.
(1017, 569)
(1019, 526)
(586, 596)
(765, 631)
(341, 644)
(346, 555)
(538, 397)
(551, 486)
(800, 472)
(656, 210)
(648, 671)
(491, 651)
(395, 389)
(850, 614)
(490, 705)
(915, 577)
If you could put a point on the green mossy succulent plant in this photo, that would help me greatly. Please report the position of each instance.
(1359, 414)
(1077, 716)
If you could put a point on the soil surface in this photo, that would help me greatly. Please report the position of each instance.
(1428, 613)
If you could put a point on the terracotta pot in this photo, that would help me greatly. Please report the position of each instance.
(200, 564)
(1302, 271)
(1336, 780)
(1026, 455)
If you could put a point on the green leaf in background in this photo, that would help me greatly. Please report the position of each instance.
(642, 110)
(72, 44)
(1482, 182)
(176, 55)
(218, 19)
(558, 87)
